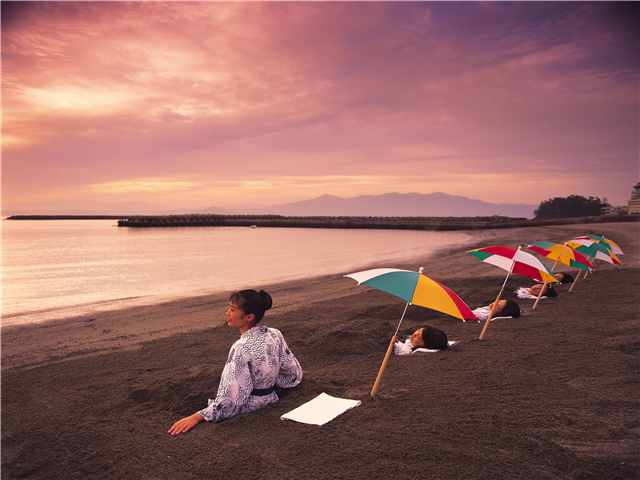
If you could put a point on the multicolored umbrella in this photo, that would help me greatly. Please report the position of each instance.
(513, 261)
(610, 244)
(416, 289)
(559, 253)
(594, 250)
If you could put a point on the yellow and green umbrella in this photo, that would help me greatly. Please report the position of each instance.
(594, 249)
(610, 244)
(559, 253)
(416, 289)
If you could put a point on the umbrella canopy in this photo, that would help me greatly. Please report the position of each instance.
(515, 261)
(594, 249)
(610, 244)
(561, 253)
(415, 288)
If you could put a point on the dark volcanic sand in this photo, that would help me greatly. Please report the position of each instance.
(553, 394)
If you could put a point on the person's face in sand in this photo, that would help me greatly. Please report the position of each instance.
(499, 307)
(236, 318)
(535, 290)
(560, 276)
(416, 339)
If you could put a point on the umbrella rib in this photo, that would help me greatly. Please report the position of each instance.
(513, 262)
(405, 311)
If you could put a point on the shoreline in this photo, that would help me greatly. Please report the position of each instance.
(49, 311)
(133, 322)
(550, 395)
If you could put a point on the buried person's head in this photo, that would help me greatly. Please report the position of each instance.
(564, 277)
(506, 308)
(547, 290)
(429, 337)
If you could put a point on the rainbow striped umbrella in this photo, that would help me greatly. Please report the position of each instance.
(416, 289)
(513, 261)
(561, 253)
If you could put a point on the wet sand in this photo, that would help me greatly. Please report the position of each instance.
(553, 394)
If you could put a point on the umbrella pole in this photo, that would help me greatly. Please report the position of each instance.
(592, 254)
(495, 304)
(540, 295)
(384, 365)
(576, 280)
(486, 324)
(386, 357)
(544, 285)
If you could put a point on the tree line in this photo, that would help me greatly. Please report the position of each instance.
(571, 206)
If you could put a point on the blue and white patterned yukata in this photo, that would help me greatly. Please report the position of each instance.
(257, 362)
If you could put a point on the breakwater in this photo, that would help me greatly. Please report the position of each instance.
(67, 217)
(385, 223)
(395, 223)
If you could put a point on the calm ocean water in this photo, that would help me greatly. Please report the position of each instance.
(52, 269)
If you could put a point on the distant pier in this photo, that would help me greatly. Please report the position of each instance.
(280, 221)
(385, 223)
(67, 217)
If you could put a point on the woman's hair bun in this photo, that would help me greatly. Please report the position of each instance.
(252, 302)
(267, 301)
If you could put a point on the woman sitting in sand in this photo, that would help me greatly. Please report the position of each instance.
(259, 361)
(505, 308)
(533, 292)
(426, 337)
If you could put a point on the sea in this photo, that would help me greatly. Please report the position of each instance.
(53, 269)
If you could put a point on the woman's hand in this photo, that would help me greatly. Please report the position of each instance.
(185, 424)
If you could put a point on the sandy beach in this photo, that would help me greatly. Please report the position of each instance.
(553, 394)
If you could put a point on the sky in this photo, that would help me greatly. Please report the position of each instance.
(201, 104)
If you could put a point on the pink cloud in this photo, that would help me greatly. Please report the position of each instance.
(97, 92)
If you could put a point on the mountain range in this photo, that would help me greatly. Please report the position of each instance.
(386, 205)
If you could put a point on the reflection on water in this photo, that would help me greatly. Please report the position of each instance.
(57, 264)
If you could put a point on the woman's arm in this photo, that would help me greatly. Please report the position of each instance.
(290, 373)
(235, 388)
(185, 424)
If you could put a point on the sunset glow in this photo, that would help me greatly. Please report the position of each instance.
(200, 104)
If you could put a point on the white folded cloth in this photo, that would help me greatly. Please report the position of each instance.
(320, 410)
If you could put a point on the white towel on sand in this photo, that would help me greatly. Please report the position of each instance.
(320, 410)
(427, 350)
